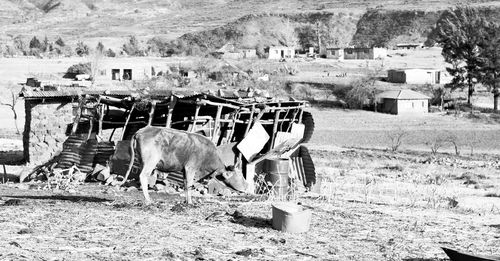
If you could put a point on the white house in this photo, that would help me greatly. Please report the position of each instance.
(418, 76)
(403, 102)
(279, 52)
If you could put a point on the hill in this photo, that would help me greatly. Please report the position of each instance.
(389, 27)
(111, 21)
(254, 31)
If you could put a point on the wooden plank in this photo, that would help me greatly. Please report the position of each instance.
(275, 128)
(151, 113)
(171, 105)
(195, 119)
(217, 123)
(126, 122)
(252, 111)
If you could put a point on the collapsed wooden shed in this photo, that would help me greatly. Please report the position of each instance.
(104, 123)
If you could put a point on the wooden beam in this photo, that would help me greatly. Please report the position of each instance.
(275, 128)
(78, 115)
(217, 122)
(101, 117)
(252, 111)
(126, 121)
(196, 112)
(171, 105)
(151, 113)
(231, 133)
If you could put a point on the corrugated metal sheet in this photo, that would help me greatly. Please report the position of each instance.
(31, 94)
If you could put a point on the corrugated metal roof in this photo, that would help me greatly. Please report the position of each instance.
(31, 94)
(403, 95)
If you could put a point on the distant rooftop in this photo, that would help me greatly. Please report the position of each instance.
(403, 95)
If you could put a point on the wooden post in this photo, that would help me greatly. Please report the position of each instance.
(235, 117)
(91, 126)
(78, 115)
(275, 128)
(196, 112)
(250, 120)
(300, 115)
(217, 122)
(295, 112)
(126, 121)
(151, 113)
(101, 117)
(171, 105)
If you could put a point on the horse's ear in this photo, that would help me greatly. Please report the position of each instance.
(230, 168)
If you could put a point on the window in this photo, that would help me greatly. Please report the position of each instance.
(115, 74)
(349, 51)
(366, 51)
(277, 52)
(423, 104)
(413, 105)
(127, 74)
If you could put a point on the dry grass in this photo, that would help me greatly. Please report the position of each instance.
(372, 207)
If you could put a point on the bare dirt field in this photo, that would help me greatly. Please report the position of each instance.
(373, 206)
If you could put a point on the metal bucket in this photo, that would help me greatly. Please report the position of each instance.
(290, 217)
(277, 175)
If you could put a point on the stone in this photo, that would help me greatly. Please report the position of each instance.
(131, 189)
(159, 187)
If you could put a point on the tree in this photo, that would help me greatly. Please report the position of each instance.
(81, 49)
(11, 103)
(110, 53)
(35, 43)
(80, 68)
(45, 45)
(490, 62)
(20, 45)
(132, 47)
(460, 31)
(60, 42)
(100, 47)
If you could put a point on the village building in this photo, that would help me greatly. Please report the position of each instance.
(231, 51)
(403, 102)
(335, 53)
(120, 70)
(409, 46)
(281, 52)
(364, 53)
(418, 76)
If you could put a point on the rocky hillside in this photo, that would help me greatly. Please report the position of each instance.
(254, 31)
(112, 21)
(389, 27)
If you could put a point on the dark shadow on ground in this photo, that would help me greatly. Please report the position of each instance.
(426, 259)
(250, 221)
(61, 197)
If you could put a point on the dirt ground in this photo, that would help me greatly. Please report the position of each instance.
(373, 205)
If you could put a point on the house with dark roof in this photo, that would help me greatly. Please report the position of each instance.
(231, 51)
(403, 102)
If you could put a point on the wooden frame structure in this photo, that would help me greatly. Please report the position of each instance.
(224, 121)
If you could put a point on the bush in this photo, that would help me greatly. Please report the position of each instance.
(81, 68)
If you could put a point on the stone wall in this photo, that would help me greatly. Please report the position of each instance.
(45, 128)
